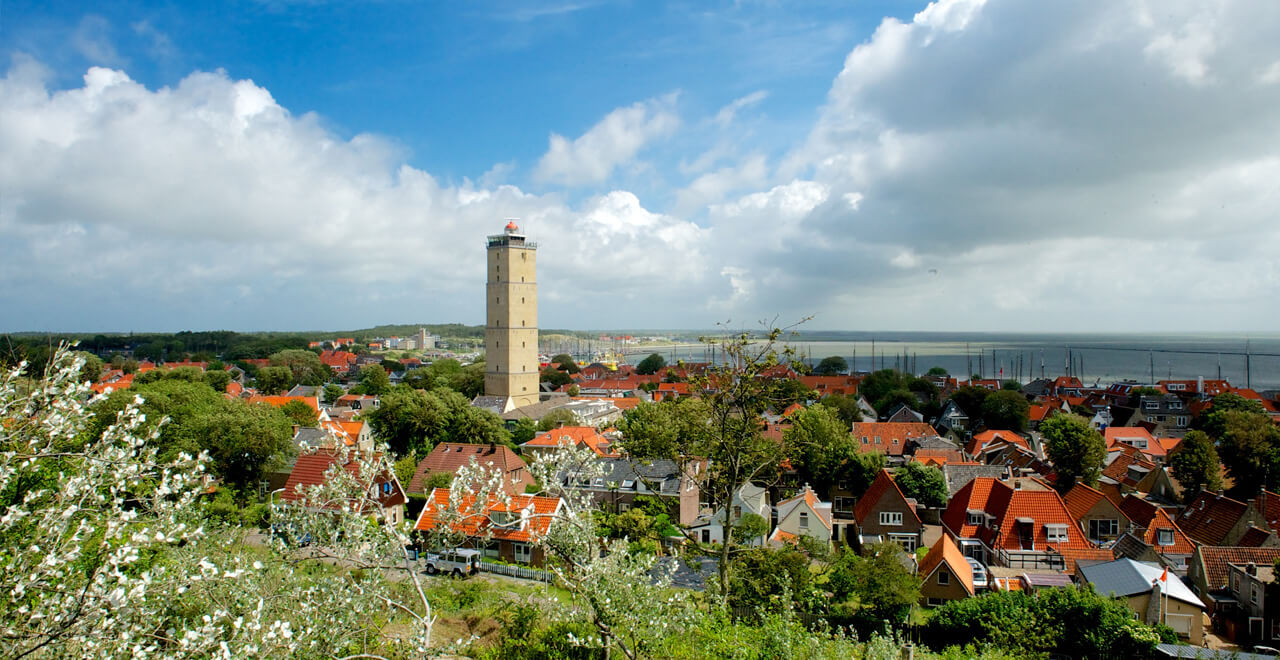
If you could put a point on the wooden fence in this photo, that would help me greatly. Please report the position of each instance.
(522, 572)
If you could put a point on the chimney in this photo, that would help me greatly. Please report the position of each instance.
(1251, 568)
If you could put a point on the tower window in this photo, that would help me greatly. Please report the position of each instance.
(522, 278)
(521, 344)
(521, 300)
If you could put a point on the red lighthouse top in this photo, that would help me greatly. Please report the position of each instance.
(511, 225)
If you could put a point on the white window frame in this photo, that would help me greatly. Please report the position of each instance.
(804, 520)
(891, 518)
(977, 518)
(518, 549)
(1163, 534)
(944, 578)
(1056, 533)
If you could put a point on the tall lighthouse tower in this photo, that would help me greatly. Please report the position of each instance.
(511, 319)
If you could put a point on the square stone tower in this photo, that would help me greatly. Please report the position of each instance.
(511, 319)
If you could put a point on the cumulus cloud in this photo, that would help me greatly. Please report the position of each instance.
(614, 141)
(986, 138)
(208, 204)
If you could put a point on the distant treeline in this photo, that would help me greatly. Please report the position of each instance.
(222, 344)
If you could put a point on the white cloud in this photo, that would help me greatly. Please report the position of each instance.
(210, 205)
(612, 142)
(727, 114)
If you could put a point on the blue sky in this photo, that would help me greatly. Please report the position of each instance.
(961, 165)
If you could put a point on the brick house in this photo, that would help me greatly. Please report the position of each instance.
(447, 457)
(310, 468)
(1020, 525)
(883, 513)
(945, 574)
(1099, 518)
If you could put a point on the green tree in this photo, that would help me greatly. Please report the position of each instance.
(405, 466)
(650, 365)
(831, 366)
(876, 586)
(1074, 622)
(92, 368)
(331, 393)
(877, 386)
(525, 429)
(923, 483)
(970, 398)
(1195, 465)
(720, 427)
(1011, 386)
(1006, 410)
(826, 454)
(218, 380)
(765, 576)
(392, 366)
(409, 420)
(557, 418)
(300, 413)
(242, 440)
(1077, 451)
(274, 380)
(305, 367)
(936, 371)
(564, 362)
(783, 392)
(845, 406)
(1144, 391)
(554, 376)
(374, 379)
(1250, 449)
(1213, 422)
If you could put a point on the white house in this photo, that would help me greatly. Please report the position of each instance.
(750, 498)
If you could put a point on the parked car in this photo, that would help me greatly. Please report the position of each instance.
(458, 562)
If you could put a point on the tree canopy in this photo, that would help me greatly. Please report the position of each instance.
(831, 366)
(923, 483)
(1007, 410)
(374, 379)
(1077, 451)
(651, 364)
(304, 366)
(1195, 464)
(411, 420)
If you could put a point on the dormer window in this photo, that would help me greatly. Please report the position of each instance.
(1164, 537)
(978, 518)
(1057, 533)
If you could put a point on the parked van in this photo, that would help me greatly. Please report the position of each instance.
(458, 562)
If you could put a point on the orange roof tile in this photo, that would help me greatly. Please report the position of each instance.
(1007, 506)
(310, 467)
(280, 401)
(540, 512)
(1081, 498)
(945, 551)
(578, 435)
(981, 440)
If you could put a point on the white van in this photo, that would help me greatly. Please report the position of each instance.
(458, 562)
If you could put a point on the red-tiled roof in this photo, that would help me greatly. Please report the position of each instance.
(1118, 468)
(985, 438)
(1210, 517)
(310, 468)
(1072, 556)
(826, 385)
(1081, 498)
(1253, 538)
(1009, 506)
(539, 511)
(930, 456)
(883, 486)
(449, 456)
(945, 551)
(889, 437)
(578, 435)
(1216, 558)
(280, 401)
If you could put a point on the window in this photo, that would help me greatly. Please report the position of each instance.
(935, 602)
(1103, 528)
(1253, 593)
(737, 512)
(706, 536)
(878, 440)
(1175, 405)
(944, 577)
(1235, 582)
(804, 520)
(864, 440)
(977, 518)
(1182, 421)
(628, 484)
(1275, 629)
(1056, 532)
(890, 518)
(1151, 405)
(1164, 537)
(523, 552)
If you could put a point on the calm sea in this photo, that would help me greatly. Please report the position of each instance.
(1245, 361)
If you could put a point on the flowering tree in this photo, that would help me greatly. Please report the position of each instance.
(627, 598)
(103, 551)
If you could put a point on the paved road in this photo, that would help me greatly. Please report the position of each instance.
(691, 577)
